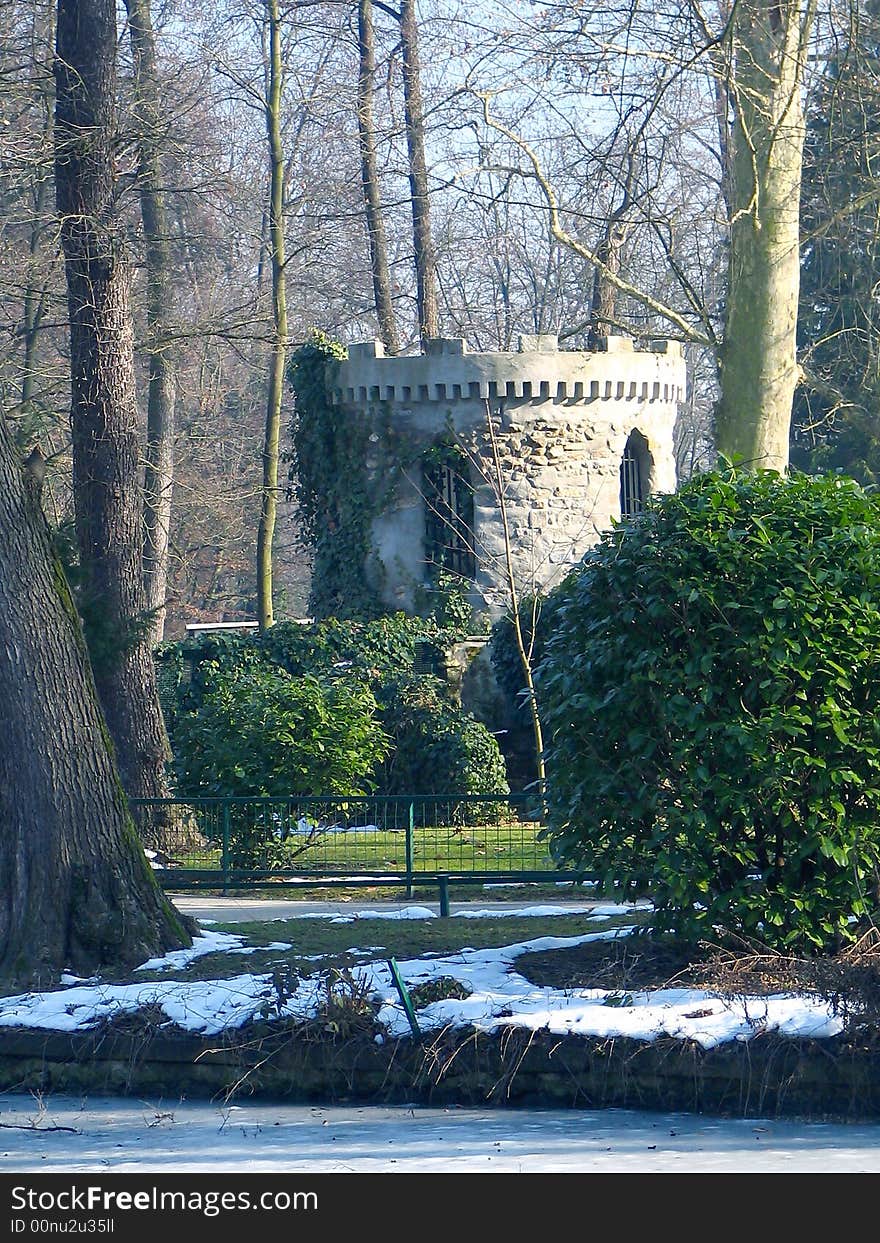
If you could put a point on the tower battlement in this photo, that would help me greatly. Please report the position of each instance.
(538, 372)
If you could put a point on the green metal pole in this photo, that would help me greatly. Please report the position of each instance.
(224, 859)
(410, 825)
(405, 999)
(443, 882)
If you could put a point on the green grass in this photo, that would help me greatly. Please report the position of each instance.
(319, 944)
(512, 847)
(531, 894)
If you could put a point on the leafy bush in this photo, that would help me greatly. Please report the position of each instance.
(710, 700)
(261, 732)
(233, 722)
(373, 649)
(258, 731)
(437, 748)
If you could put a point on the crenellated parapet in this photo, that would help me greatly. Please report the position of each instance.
(539, 371)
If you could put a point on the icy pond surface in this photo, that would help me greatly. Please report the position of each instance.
(119, 1135)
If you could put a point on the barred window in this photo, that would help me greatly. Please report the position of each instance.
(633, 476)
(449, 518)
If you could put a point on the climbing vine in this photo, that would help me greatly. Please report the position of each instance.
(337, 480)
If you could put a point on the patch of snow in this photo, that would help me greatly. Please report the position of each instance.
(203, 943)
(403, 912)
(602, 911)
(308, 828)
(499, 997)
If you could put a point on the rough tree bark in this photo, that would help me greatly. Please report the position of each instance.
(78, 892)
(426, 264)
(159, 463)
(758, 368)
(107, 494)
(370, 179)
(275, 392)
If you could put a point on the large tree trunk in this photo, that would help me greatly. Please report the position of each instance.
(275, 392)
(78, 892)
(426, 264)
(758, 369)
(370, 180)
(159, 465)
(107, 495)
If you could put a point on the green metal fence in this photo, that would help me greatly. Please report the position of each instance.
(403, 839)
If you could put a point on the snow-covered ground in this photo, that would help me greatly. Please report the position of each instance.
(127, 1136)
(497, 996)
(119, 1135)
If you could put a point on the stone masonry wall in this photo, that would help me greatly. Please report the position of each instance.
(562, 421)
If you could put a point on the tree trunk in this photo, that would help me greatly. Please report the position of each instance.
(603, 306)
(758, 367)
(159, 464)
(426, 265)
(78, 892)
(269, 500)
(103, 409)
(370, 180)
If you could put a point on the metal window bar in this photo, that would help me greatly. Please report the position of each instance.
(632, 498)
(449, 521)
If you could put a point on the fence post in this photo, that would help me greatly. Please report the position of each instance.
(410, 825)
(443, 882)
(224, 858)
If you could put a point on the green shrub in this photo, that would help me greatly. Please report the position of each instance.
(261, 732)
(439, 749)
(372, 649)
(258, 731)
(434, 745)
(710, 702)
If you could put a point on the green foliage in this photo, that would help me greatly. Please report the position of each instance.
(839, 316)
(710, 697)
(373, 648)
(259, 731)
(447, 605)
(437, 748)
(211, 683)
(334, 488)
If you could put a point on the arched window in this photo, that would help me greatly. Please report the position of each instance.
(634, 472)
(449, 516)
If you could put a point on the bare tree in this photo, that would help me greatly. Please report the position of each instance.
(159, 464)
(754, 58)
(370, 179)
(269, 493)
(103, 410)
(426, 263)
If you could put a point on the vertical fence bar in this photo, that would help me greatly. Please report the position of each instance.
(224, 858)
(410, 825)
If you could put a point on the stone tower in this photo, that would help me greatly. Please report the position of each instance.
(581, 439)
